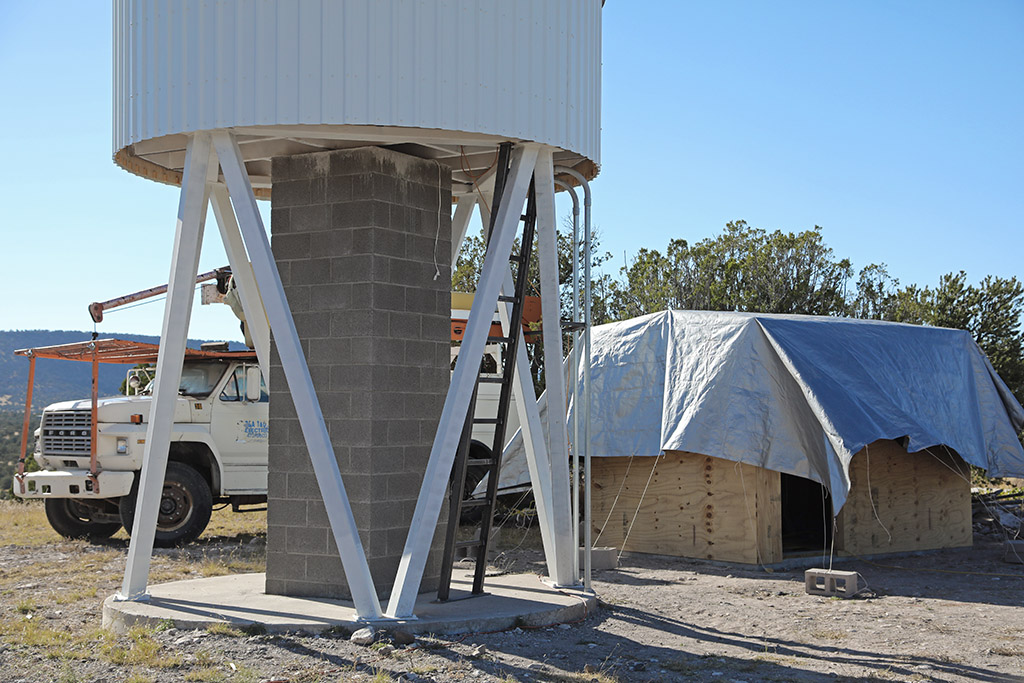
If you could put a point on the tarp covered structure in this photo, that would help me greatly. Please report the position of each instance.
(795, 394)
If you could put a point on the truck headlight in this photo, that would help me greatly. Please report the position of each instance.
(122, 445)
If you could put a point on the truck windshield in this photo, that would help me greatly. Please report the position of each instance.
(199, 379)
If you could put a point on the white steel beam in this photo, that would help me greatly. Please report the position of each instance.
(460, 223)
(241, 272)
(558, 445)
(188, 239)
(484, 206)
(456, 405)
(311, 419)
(533, 432)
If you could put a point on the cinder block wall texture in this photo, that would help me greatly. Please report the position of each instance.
(362, 240)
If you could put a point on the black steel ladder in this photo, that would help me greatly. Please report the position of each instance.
(485, 506)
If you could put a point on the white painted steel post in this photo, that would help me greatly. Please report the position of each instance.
(460, 224)
(534, 444)
(188, 240)
(587, 311)
(550, 301)
(574, 369)
(460, 391)
(311, 419)
(241, 272)
(484, 206)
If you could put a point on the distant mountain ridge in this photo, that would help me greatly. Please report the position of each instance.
(59, 380)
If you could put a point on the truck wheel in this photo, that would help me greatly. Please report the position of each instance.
(70, 519)
(185, 507)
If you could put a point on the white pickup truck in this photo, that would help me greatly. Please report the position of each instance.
(218, 448)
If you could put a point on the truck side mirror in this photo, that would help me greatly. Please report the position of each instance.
(253, 378)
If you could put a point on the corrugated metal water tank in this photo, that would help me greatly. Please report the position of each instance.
(444, 79)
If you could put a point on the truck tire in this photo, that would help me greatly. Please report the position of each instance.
(185, 507)
(72, 520)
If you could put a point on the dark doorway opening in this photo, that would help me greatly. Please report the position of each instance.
(806, 516)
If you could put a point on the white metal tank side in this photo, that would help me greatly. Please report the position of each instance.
(428, 76)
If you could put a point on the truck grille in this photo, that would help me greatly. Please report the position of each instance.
(66, 432)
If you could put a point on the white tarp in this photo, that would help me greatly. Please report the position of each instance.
(796, 394)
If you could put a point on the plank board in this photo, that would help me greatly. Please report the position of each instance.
(922, 501)
(694, 506)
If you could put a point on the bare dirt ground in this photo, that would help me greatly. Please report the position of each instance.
(952, 615)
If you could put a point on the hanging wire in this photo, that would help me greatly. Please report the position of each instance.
(437, 235)
(639, 503)
(966, 478)
(615, 500)
(750, 516)
(874, 510)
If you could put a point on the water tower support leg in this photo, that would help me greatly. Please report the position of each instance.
(311, 419)
(536, 449)
(558, 445)
(241, 271)
(456, 404)
(188, 238)
(460, 224)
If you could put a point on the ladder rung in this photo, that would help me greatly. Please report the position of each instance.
(475, 543)
(474, 503)
(507, 298)
(486, 421)
(473, 462)
(572, 325)
(491, 380)
(498, 340)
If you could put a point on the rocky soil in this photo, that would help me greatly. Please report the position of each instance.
(951, 615)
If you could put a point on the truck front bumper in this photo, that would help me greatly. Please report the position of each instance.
(74, 484)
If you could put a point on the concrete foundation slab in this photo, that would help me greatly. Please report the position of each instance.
(511, 600)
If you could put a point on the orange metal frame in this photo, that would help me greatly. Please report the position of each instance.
(531, 323)
(116, 351)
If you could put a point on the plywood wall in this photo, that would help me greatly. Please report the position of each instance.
(922, 501)
(695, 506)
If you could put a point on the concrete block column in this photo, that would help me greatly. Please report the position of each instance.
(362, 239)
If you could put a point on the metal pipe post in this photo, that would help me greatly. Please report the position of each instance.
(588, 528)
(22, 455)
(574, 369)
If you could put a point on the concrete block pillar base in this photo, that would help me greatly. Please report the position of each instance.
(362, 239)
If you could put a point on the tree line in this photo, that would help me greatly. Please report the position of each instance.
(750, 269)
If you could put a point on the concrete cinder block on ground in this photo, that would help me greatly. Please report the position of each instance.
(601, 558)
(830, 583)
(362, 239)
(1014, 551)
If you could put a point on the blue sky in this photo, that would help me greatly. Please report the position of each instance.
(896, 126)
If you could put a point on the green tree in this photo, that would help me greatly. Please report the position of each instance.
(879, 297)
(469, 265)
(742, 269)
(991, 311)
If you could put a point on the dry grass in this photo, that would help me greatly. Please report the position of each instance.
(23, 523)
(581, 677)
(828, 634)
(143, 650)
(222, 629)
(44, 574)
(236, 525)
